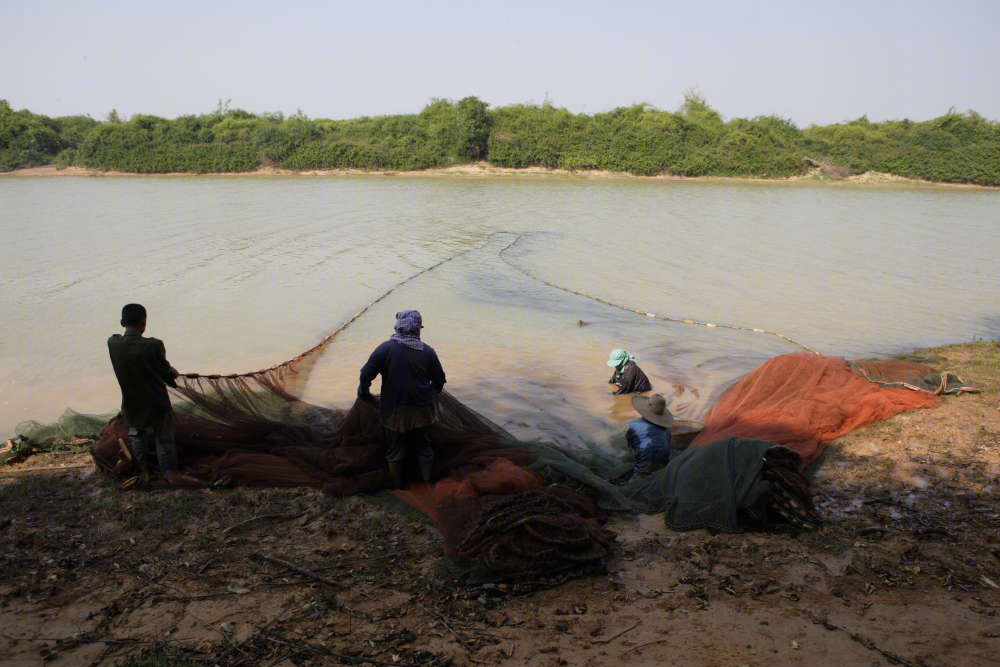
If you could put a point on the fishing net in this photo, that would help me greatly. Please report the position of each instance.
(803, 400)
(911, 375)
(525, 509)
(494, 501)
(71, 433)
(72, 425)
(731, 485)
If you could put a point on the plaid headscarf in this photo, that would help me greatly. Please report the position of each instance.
(408, 326)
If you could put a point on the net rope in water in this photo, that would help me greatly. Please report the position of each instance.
(297, 367)
(638, 311)
(312, 352)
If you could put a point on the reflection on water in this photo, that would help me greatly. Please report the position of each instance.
(242, 273)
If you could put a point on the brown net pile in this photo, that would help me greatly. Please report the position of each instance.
(487, 503)
(912, 375)
(550, 528)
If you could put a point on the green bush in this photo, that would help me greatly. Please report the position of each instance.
(334, 156)
(955, 148)
(645, 141)
(26, 139)
(144, 145)
(73, 129)
(692, 141)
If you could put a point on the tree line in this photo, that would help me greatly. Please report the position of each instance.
(642, 140)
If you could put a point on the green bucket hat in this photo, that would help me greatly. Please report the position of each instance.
(619, 357)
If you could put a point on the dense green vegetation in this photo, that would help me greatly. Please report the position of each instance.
(27, 139)
(641, 140)
(955, 148)
(693, 141)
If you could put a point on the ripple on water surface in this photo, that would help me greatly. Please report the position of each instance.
(240, 274)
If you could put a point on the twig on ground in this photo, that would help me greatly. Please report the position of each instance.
(208, 563)
(301, 570)
(614, 637)
(26, 471)
(281, 658)
(443, 622)
(860, 639)
(193, 598)
(321, 650)
(642, 646)
(261, 517)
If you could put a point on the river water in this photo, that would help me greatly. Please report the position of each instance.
(240, 273)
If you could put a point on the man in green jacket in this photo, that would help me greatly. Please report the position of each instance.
(144, 374)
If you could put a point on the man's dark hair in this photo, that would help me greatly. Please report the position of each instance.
(133, 314)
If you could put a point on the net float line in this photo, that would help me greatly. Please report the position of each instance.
(271, 370)
(640, 312)
(288, 364)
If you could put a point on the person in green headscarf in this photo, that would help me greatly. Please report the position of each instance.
(627, 376)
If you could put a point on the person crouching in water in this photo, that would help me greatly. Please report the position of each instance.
(412, 378)
(649, 436)
(628, 376)
(143, 373)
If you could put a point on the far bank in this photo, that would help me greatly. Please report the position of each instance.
(487, 170)
(694, 141)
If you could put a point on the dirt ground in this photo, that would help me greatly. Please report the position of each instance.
(905, 571)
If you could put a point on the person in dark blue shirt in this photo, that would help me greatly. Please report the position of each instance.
(412, 378)
(649, 436)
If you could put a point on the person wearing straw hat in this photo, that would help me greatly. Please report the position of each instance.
(627, 375)
(649, 436)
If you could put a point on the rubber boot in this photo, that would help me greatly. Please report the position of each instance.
(166, 454)
(426, 466)
(396, 474)
(136, 447)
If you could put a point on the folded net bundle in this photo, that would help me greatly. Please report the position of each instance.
(490, 505)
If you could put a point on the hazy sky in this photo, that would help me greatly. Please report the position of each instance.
(812, 61)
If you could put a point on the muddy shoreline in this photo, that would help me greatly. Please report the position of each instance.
(486, 170)
(906, 570)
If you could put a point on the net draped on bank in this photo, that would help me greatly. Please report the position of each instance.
(525, 509)
(529, 508)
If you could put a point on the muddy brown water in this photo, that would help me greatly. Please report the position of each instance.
(242, 273)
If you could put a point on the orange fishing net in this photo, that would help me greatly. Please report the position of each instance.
(804, 400)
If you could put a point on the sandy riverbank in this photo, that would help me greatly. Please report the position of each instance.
(485, 169)
(906, 570)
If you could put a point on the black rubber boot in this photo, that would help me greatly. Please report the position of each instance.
(166, 454)
(134, 445)
(426, 467)
(396, 474)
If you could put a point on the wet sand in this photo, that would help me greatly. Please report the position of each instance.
(485, 169)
